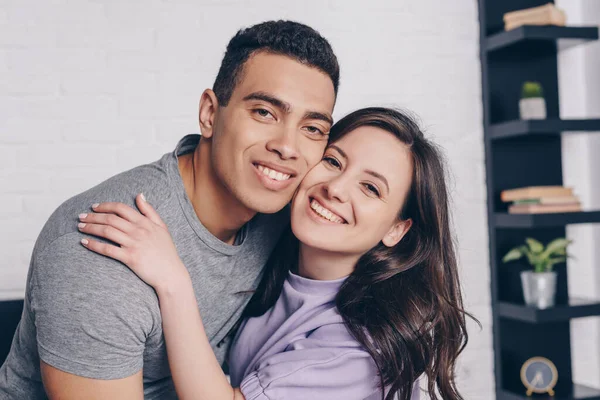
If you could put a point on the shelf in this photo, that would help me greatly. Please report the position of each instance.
(542, 126)
(523, 33)
(505, 220)
(580, 392)
(577, 308)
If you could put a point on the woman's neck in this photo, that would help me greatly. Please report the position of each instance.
(324, 265)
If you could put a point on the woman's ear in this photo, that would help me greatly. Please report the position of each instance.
(396, 232)
(207, 112)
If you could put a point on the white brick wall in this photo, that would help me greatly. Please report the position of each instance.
(579, 83)
(91, 88)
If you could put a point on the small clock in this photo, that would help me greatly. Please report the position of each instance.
(539, 375)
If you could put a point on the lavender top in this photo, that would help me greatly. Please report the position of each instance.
(301, 349)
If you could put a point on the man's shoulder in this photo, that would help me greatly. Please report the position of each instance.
(67, 270)
(150, 179)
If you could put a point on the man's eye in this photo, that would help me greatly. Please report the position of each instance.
(314, 130)
(263, 113)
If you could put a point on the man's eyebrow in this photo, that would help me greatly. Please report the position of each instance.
(368, 171)
(286, 107)
(319, 116)
(270, 99)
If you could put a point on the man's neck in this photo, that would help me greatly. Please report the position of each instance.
(324, 265)
(218, 210)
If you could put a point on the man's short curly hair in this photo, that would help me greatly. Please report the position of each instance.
(288, 38)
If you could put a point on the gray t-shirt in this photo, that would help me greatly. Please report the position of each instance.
(91, 316)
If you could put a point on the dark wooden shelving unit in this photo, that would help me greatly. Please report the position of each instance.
(578, 392)
(505, 220)
(551, 126)
(527, 153)
(576, 308)
(538, 33)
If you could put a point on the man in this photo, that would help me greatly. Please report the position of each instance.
(90, 328)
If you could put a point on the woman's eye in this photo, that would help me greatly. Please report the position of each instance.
(332, 161)
(372, 189)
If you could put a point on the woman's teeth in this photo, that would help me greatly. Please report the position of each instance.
(325, 213)
(278, 176)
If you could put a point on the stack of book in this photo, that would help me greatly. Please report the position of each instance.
(541, 200)
(547, 14)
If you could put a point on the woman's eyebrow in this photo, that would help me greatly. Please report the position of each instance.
(368, 171)
(379, 176)
(336, 148)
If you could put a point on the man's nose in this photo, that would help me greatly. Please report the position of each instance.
(285, 144)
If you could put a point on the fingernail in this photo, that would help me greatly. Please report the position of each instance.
(82, 216)
(95, 205)
(84, 241)
(81, 225)
(143, 197)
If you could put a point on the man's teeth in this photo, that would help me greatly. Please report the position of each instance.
(325, 213)
(278, 176)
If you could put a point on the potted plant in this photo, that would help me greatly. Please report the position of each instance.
(539, 284)
(532, 104)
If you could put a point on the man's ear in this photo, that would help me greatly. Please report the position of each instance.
(396, 232)
(209, 106)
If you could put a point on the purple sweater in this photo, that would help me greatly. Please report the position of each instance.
(300, 349)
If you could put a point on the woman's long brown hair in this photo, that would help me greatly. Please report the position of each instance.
(403, 303)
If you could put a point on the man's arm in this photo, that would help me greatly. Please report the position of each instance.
(93, 318)
(61, 385)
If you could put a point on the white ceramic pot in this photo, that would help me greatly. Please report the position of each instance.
(539, 288)
(532, 108)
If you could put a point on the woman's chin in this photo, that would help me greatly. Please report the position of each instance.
(310, 235)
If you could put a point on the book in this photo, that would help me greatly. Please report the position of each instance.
(547, 14)
(530, 13)
(557, 21)
(543, 208)
(535, 192)
(550, 200)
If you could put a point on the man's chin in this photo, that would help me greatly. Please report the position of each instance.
(264, 205)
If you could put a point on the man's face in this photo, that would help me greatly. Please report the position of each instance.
(273, 130)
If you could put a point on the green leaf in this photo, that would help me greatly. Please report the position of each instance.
(535, 246)
(531, 90)
(540, 267)
(512, 255)
(530, 256)
(557, 260)
(551, 262)
(560, 252)
(557, 246)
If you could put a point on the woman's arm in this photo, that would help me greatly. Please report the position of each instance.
(196, 371)
(147, 249)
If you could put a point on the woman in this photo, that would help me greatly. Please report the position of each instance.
(363, 296)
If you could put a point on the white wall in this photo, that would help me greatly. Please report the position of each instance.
(579, 83)
(90, 88)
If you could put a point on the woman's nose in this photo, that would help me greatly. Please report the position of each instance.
(337, 189)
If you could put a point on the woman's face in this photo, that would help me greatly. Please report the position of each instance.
(350, 201)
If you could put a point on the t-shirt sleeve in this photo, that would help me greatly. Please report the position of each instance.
(92, 315)
(314, 368)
